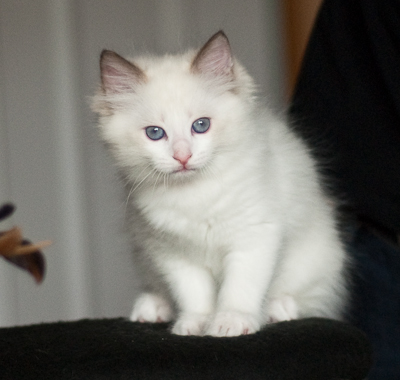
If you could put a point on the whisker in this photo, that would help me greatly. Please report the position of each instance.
(205, 170)
(213, 172)
(137, 186)
(134, 188)
(155, 183)
(165, 178)
(136, 180)
(209, 170)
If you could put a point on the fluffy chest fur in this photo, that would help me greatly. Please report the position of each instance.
(210, 211)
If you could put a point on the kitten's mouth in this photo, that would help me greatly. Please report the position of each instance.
(183, 171)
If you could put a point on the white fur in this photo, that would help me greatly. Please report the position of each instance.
(244, 238)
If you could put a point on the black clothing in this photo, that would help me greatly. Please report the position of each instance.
(347, 104)
(348, 95)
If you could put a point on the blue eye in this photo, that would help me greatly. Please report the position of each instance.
(155, 133)
(201, 125)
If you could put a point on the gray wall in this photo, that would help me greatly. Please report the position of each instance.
(51, 163)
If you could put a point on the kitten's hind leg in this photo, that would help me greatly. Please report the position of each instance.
(151, 307)
(282, 308)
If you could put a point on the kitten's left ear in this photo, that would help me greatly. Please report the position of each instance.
(215, 57)
(119, 75)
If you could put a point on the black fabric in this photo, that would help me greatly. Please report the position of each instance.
(376, 299)
(348, 96)
(347, 104)
(118, 349)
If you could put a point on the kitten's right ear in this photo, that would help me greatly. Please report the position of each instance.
(215, 57)
(119, 75)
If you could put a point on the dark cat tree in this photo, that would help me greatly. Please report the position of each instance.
(117, 349)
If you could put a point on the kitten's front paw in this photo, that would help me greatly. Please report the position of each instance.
(190, 324)
(232, 324)
(283, 308)
(151, 308)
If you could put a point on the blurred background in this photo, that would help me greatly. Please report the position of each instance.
(52, 166)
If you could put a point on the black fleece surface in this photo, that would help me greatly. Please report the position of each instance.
(118, 349)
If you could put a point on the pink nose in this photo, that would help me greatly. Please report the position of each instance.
(182, 157)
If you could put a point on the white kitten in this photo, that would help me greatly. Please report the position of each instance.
(230, 225)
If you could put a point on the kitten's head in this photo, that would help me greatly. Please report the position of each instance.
(173, 116)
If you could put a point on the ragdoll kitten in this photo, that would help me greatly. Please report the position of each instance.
(230, 226)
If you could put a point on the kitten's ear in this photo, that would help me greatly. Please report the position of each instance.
(119, 75)
(215, 57)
